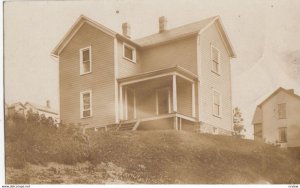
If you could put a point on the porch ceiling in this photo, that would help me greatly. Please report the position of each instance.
(177, 70)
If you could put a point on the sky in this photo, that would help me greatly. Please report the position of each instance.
(264, 34)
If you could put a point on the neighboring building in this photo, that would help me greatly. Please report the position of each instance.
(178, 78)
(16, 108)
(277, 119)
(42, 110)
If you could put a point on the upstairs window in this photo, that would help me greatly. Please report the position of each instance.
(282, 111)
(129, 53)
(216, 104)
(85, 60)
(282, 134)
(215, 59)
(85, 104)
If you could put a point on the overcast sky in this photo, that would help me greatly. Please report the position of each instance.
(264, 33)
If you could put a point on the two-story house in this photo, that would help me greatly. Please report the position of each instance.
(174, 79)
(277, 119)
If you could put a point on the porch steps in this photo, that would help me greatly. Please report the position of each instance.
(131, 126)
(126, 126)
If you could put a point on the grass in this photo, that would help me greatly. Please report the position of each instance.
(148, 157)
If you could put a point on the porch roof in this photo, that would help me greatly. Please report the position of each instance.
(177, 70)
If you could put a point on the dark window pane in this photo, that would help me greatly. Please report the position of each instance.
(128, 53)
(86, 55)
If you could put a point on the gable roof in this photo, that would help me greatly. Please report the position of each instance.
(77, 25)
(288, 91)
(186, 31)
(152, 40)
(41, 108)
(257, 118)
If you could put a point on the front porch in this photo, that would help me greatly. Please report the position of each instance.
(165, 97)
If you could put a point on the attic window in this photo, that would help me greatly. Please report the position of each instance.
(129, 53)
(85, 60)
(215, 58)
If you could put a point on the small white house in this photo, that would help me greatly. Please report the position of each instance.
(42, 110)
(277, 119)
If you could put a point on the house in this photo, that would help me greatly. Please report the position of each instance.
(175, 79)
(16, 108)
(45, 111)
(277, 119)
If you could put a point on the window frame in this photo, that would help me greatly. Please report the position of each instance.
(81, 104)
(133, 60)
(213, 104)
(81, 50)
(213, 62)
(279, 134)
(157, 100)
(278, 111)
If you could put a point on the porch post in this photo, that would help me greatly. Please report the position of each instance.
(174, 94)
(121, 103)
(193, 100)
(175, 123)
(126, 105)
(134, 104)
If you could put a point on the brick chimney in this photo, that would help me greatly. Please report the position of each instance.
(48, 103)
(162, 24)
(126, 29)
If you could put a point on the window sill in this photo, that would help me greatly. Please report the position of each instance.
(82, 74)
(217, 116)
(216, 73)
(86, 117)
(132, 61)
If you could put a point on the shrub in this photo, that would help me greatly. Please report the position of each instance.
(38, 141)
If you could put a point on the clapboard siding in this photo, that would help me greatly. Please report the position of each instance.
(181, 53)
(210, 81)
(125, 67)
(100, 81)
(184, 97)
(271, 122)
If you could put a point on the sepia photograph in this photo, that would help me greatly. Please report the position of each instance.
(172, 92)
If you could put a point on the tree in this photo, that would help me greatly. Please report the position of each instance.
(238, 122)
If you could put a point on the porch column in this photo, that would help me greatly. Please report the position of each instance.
(126, 105)
(134, 104)
(121, 103)
(175, 123)
(174, 94)
(193, 100)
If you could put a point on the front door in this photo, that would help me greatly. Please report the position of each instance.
(163, 101)
(130, 103)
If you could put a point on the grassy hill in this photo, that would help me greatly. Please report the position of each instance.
(147, 157)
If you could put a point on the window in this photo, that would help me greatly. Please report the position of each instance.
(129, 53)
(282, 111)
(282, 134)
(163, 104)
(85, 104)
(215, 57)
(216, 104)
(85, 60)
